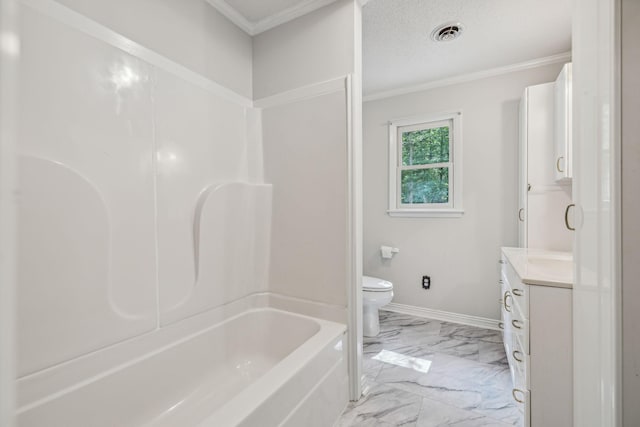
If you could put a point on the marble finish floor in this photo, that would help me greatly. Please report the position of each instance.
(426, 373)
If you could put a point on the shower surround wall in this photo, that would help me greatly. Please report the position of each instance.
(145, 201)
(306, 79)
(130, 178)
(300, 71)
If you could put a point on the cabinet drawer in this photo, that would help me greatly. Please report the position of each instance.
(509, 340)
(519, 291)
(522, 398)
(520, 294)
(520, 362)
(519, 326)
(521, 394)
(513, 322)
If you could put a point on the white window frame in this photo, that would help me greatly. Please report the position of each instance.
(436, 210)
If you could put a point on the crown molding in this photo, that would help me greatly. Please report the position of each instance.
(547, 60)
(233, 15)
(254, 28)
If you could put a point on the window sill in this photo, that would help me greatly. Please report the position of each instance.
(426, 213)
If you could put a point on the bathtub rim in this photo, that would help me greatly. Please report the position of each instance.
(38, 385)
(251, 398)
(175, 335)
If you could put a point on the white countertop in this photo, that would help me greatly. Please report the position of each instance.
(540, 267)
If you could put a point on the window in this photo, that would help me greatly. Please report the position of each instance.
(425, 166)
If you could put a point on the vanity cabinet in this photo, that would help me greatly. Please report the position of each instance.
(537, 334)
(562, 125)
(542, 201)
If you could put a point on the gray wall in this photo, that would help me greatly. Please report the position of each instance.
(313, 48)
(630, 212)
(305, 143)
(460, 254)
(305, 160)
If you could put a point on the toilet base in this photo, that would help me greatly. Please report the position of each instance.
(370, 321)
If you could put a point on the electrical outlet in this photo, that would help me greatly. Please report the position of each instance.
(426, 282)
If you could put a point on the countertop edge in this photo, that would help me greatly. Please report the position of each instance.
(534, 282)
(509, 252)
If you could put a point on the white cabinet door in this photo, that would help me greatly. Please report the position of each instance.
(522, 177)
(551, 356)
(562, 125)
(542, 202)
(546, 219)
(540, 152)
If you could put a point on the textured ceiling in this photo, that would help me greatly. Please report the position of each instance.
(398, 50)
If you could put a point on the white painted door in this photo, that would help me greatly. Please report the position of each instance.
(595, 189)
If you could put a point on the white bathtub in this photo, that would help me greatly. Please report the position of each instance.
(263, 367)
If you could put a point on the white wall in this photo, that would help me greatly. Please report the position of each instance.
(190, 32)
(313, 48)
(305, 139)
(305, 160)
(134, 207)
(460, 254)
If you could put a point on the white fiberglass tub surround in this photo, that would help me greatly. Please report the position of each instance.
(263, 367)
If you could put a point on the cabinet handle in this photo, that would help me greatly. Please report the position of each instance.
(516, 322)
(507, 308)
(501, 325)
(518, 292)
(501, 261)
(566, 217)
(516, 357)
(520, 212)
(500, 281)
(558, 164)
(517, 390)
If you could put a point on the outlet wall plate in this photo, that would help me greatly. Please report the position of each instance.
(426, 282)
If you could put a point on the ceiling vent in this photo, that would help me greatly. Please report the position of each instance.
(447, 32)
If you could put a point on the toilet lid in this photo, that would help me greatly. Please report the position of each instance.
(374, 284)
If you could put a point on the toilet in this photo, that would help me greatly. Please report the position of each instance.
(375, 294)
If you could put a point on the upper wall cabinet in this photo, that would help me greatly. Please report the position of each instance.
(542, 202)
(562, 126)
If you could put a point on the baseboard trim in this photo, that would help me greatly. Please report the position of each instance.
(429, 313)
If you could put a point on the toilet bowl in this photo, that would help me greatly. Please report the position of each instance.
(375, 294)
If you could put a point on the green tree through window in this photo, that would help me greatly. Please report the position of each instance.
(427, 185)
(422, 147)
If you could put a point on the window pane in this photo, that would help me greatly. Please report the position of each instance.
(422, 147)
(425, 186)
